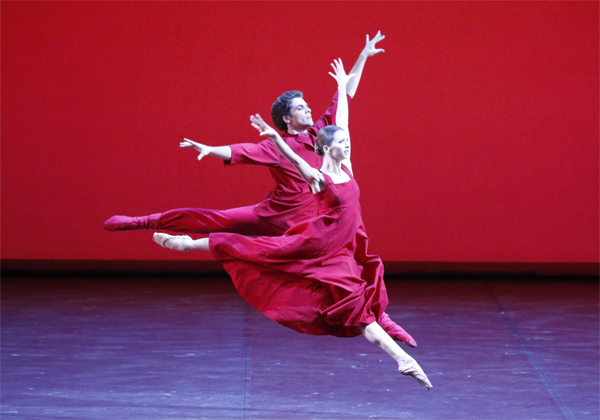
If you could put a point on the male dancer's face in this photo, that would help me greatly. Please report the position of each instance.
(300, 117)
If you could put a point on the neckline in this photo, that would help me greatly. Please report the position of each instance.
(346, 171)
(337, 183)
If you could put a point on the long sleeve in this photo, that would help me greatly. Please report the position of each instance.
(262, 153)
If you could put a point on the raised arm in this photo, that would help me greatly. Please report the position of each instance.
(343, 80)
(368, 51)
(311, 175)
(341, 115)
(221, 152)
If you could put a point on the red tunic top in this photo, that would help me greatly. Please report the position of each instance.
(291, 201)
(317, 278)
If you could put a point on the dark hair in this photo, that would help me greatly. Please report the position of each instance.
(282, 106)
(325, 138)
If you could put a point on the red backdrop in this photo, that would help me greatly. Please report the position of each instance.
(475, 136)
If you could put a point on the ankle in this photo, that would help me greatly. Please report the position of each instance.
(404, 358)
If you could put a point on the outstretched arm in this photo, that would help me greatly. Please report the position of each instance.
(222, 152)
(341, 115)
(368, 51)
(311, 175)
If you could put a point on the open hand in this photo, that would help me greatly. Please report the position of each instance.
(370, 49)
(199, 147)
(339, 72)
(263, 128)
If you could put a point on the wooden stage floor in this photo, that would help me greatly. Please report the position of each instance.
(113, 348)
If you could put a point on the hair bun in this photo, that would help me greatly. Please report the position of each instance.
(318, 150)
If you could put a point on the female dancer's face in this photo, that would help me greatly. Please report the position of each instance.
(340, 146)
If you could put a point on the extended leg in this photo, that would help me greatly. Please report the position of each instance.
(240, 220)
(406, 364)
(118, 222)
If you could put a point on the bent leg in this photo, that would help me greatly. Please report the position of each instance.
(406, 364)
(240, 220)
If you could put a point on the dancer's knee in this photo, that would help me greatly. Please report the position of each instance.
(370, 331)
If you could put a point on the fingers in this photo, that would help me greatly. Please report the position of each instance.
(255, 117)
(339, 73)
(202, 154)
(263, 128)
(257, 121)
(378, 37)
(187, 143)
(259, 118)
(338, 67)
(254, 122)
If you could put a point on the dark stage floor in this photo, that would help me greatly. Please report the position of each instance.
(115, 348)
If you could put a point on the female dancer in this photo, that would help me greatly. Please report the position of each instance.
(317, 278)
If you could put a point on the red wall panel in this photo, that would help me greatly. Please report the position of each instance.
(475, 135)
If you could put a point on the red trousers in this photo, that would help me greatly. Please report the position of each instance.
(240, 220)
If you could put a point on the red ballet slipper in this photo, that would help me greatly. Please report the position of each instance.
(116, 223)
(395, 331)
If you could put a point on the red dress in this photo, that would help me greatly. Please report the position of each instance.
(317, 278)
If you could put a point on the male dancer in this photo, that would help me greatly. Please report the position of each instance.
(290, 202)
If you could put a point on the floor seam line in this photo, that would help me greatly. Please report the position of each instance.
(247, 340)
(531, 359)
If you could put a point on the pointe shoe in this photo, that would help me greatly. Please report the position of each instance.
(409, 367)
(177, 243)
(117, 223)
(395, 331)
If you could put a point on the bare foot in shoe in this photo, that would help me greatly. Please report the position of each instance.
(409, 366)
(178, 243)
